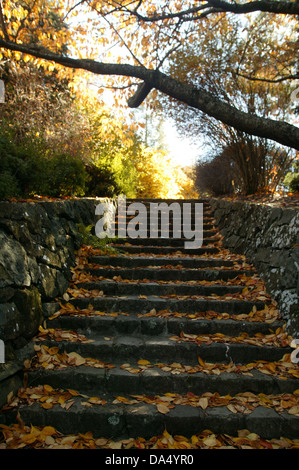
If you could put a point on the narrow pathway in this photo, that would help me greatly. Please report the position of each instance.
(159, 346)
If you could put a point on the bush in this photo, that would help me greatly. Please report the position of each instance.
(9, 186)
(217, 177)
(26, 169)
(65, 176)
(107, 181)
(291, 180)
(13, 171)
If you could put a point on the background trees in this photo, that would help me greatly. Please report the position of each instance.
(228, 68)
(146, 36)
(58, 139)
(214, 65)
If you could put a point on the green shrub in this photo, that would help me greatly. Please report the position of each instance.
(88, 238)
(291, 180)
(65, 176)
(27, 169)
(13, 172)
(9, 186)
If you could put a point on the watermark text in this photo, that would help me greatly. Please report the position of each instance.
(2, 352)
(153, 221)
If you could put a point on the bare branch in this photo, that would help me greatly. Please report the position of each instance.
(269, 80)
(120, 37)
(216, 6)
(167, 16)
(115, 87)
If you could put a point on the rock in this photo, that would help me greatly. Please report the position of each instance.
(6, 293)
(47, 282)
(13, 263)
(10, 320)
(28, 303)
(269, 237)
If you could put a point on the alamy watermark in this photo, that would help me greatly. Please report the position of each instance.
(295, 354)
(2, 92)
(2, 352)
(146, 222)
(295, 95)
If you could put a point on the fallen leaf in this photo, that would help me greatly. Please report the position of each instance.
(162, 408)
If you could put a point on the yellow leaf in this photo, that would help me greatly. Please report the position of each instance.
(210, 441)
(163, 408)
(47, 406)
(166, 434)
(201, 362)
(294, 410)
(232, 408)
(74, 393)
(203, 403)
(253, 437)
(76, 359)
(48, 430)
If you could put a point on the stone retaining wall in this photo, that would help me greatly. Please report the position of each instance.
(37, 249)
(269, 237)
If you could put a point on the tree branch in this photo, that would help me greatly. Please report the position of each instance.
(279, 131)
(191, 14)
(270, 6)
(139, 96)
(268, 80)
(166, 16)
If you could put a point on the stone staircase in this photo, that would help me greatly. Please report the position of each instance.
(158, 337)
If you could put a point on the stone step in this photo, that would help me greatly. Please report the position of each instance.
(153, 380)
(207, 226)
(124, 328)
(154, 326)
(146, 261)
(163, 249)
(166, 217)
(166, 206)
(153, 288)
(168, 201)
(206, 216)
(120, 421)
(168, 274)
(137, 304)
(128, 348)
(170, 242)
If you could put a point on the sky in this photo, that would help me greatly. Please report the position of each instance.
(180, 150)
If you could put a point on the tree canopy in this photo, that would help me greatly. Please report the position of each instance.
(132, 41)
(57, 139)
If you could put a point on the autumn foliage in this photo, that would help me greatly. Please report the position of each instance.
(232, 70)
(60, 140)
